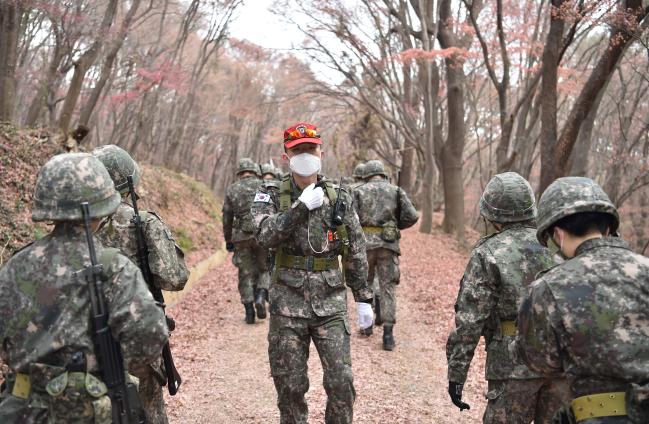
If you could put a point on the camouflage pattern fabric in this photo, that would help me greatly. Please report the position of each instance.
(167, 264)
(500, 269)
(44, 318)
(288, 350)
(299, 293)
(307, 306)
(499, 272)
(508, 197)
(570, 195)
(68, 179)
(247, 164)
(384, 264)
(510, 401)
(376, 204)
(588, 318)
(251, 260)
(120, 165)
(166, 258)
(237, 221)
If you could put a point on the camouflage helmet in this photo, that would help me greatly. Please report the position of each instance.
(359, 170)
(247, 164)
(66, 181)
(374, 167)
(267, 168)
(508, 197)
(120, 166)
(568, 196)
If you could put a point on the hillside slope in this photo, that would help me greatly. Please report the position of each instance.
(186, 205)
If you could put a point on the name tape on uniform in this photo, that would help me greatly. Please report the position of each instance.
(262, 197)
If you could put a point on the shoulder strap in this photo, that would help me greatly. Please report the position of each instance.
(285, 194)
(106, 258)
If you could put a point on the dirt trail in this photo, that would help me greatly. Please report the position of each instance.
(224, 362)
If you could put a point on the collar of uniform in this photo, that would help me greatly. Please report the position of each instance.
(601, 242)
(69, 229)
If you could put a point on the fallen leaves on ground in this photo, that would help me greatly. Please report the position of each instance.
(224, 362)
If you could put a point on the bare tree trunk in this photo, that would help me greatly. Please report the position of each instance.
(619, 40)
(113, 48)
(579, 156)
(81, 68)
(44, 90)
(10, 16)
(549, 70)
(454, 146)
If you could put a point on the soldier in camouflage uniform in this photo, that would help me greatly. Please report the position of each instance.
(308, 299)
(166, 261)
(270, 174)
(588, 318)
(499, 272)
(238, 229)
(383, 209)
(45, 327)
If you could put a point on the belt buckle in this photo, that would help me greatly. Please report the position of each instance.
(309, 263)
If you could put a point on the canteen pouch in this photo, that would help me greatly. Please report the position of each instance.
(637, 403)
(390, 232)
(78, 396)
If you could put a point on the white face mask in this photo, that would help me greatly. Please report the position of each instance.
(305, 164)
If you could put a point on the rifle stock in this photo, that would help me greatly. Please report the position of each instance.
(173, 377)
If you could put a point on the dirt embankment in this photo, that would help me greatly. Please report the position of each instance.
(186, 205)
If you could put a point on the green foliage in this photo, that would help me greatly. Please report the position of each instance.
(184, 240)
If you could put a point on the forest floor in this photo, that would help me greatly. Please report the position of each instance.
(224, 362)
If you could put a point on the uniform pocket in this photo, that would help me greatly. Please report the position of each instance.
(290, 278)
(103, 411)
(333, 278)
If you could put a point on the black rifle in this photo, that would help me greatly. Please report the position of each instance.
(123, 395)
(173, 377)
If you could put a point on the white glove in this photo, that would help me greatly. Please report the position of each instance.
(365, 315)
(312, 197)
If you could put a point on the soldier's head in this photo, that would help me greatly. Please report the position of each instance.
(247, 168)
(303, 149)
(573, 210)
(358, 172)
(374, 168)
(269, 172)
(507, 198)
(66, 181)
(120, 166)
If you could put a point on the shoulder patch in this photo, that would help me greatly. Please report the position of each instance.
(262, 197)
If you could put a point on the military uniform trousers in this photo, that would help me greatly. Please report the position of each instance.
(384, 264)
(151, 394)
(251, 260)
(288, 349)
(521, 401)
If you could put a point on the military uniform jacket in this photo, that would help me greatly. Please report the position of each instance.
(589, 318)
(301, 293)
(237, 221)
(166, 258)
(378, 202)
(499, 272)
(45, 306)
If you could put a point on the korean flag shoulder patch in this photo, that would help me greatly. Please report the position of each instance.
(262, 197)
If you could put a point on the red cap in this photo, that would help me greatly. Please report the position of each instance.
(301, 133)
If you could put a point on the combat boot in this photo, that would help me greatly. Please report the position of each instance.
(260, 303)
(250, 313)
(388, 338)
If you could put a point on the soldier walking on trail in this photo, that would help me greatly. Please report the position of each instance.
(501, 268)
(238, 229)
(165, 258)
(383, 209)
(311, 222)
(588, 318)
(46, 336)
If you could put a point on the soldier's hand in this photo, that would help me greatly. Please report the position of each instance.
(312, 197)
(229, 246)
(365, 315)
(455, 390)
